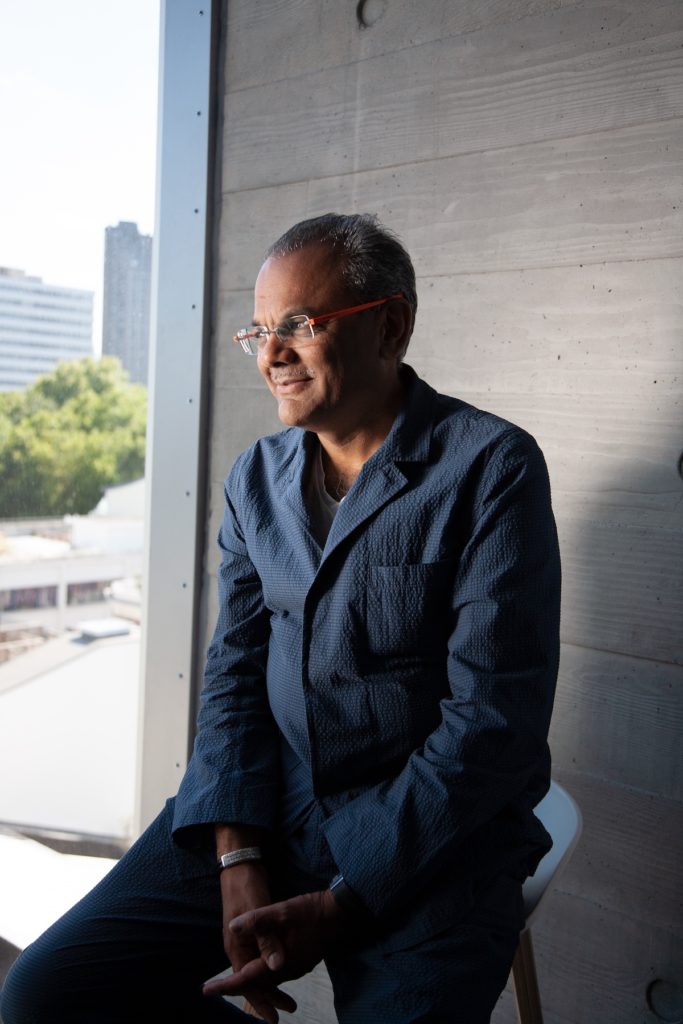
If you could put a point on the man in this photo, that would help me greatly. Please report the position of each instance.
(372, 732)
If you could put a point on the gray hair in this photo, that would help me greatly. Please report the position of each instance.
(373, 262)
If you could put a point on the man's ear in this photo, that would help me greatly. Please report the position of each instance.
(397, 326)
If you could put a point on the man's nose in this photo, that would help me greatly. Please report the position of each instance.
(273, 350)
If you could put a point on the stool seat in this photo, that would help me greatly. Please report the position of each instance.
(562, 818)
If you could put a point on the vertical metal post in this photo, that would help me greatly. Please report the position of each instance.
(175, 438)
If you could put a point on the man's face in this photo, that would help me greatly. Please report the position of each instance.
(330, 383)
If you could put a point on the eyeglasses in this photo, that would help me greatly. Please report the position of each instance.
(299, 330)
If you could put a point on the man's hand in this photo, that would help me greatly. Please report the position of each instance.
(285, 940)
(244, 887)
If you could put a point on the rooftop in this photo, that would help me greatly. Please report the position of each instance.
(68, 740)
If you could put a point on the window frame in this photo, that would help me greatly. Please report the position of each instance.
(181, 302)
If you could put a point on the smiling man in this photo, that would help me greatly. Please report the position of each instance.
(372, 732)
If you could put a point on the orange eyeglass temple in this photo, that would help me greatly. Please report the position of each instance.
(354, 309)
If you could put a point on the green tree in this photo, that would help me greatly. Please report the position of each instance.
(71, 433)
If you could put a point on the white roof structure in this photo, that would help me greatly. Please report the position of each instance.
(38, 885)
(68, 736)
(123, 501)
(68, 745)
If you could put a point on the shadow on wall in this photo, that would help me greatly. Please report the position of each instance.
(616, 735)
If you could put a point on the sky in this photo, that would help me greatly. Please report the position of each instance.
(78, 126)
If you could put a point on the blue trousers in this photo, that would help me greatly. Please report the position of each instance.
(140, 944)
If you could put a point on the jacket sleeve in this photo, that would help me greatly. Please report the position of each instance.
(502, 656)
(233, 772)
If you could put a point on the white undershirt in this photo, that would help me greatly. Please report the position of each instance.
(321, 505)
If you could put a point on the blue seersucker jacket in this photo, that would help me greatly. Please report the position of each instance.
(424, 637)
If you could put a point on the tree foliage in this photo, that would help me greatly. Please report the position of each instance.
(68, 435)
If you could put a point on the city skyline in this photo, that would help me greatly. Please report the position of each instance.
(82, 130)
(41, 324)
(126, 297)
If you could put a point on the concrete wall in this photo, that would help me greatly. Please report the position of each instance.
(528, 152)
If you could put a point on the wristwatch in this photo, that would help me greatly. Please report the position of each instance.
(346, 898)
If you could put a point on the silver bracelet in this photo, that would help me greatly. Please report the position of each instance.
(228, 860)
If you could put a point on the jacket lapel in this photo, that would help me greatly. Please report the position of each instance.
(372, 490)
(294, 498)
(382, 477)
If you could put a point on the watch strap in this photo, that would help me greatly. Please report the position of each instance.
(346, 898)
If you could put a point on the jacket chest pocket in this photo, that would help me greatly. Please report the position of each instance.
(407, 607)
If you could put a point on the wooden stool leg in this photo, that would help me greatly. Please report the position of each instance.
(525, 982)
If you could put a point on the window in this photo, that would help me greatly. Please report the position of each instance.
(82, 128)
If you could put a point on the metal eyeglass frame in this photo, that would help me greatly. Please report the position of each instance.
(247, 337)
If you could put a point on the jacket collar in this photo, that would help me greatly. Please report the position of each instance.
(382, 477)
(410, 437)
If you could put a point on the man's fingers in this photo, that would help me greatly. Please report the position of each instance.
(260, 996)
(264, 1009)
(245, 925)
(241, 949)
(260, 925)
(255, 974)
(265, 1003)
(272, 951)
(276, 996)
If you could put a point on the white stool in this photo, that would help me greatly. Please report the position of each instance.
(562, 818)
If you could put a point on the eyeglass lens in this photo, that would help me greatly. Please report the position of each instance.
(294, 331)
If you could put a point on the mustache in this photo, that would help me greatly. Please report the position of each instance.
(278, 378)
